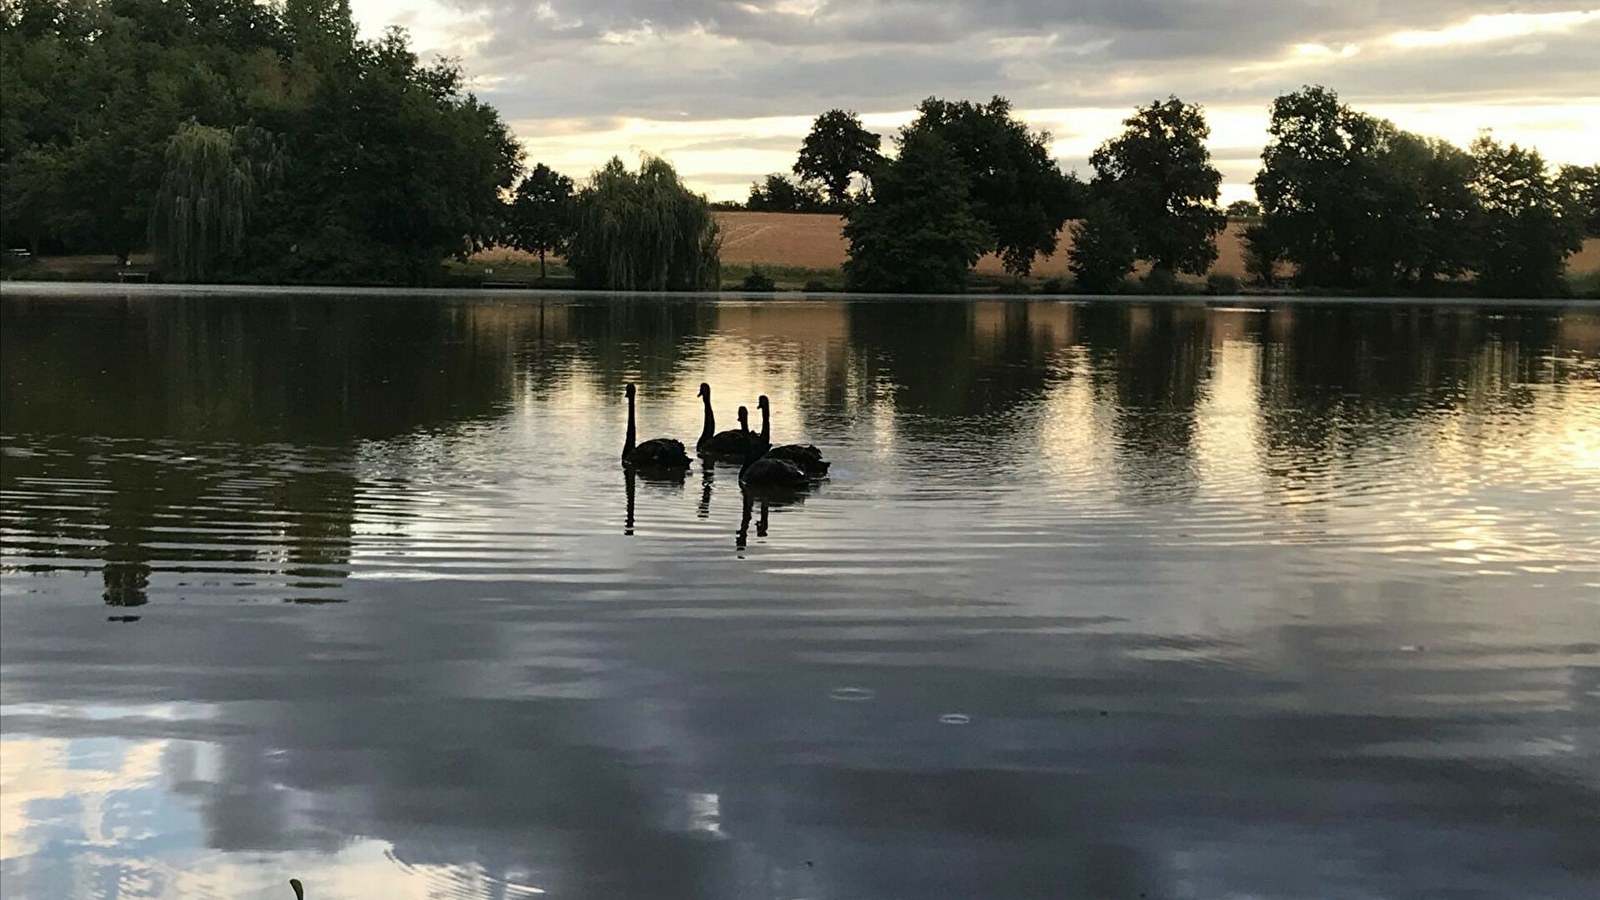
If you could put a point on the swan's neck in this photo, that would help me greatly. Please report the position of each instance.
(765, 427)
(711, 421)
(627, 445)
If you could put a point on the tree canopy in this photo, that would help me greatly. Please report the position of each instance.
(1014, 186)
(643, 231)
(1526, 225)
(540, 219)
(779, 193)
(208, 194)
(1353, 201)
(838, 148)
(385, 166)
(1158, 175)
(918, 234)
(1582, 184)
(1104, 249)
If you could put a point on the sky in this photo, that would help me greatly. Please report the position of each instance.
(726, 89)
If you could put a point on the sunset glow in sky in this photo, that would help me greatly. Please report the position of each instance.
(726, 90)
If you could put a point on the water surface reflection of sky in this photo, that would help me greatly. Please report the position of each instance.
(1100, 600)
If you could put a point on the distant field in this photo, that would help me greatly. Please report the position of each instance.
(813, 241)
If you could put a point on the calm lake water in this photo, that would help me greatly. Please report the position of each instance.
(1100, 601)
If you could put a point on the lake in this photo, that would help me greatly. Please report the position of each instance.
(1100, 600)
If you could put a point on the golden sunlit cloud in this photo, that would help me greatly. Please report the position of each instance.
(1303, 55)
(1494, 27)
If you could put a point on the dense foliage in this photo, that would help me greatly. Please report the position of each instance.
(779, 193)
(1353, 202)
(1014, 186)
(919, 233)
(837, 149)
(1525, 223)
(540, 219)
(1104, 248)
(643, 231)
(336, 159)
(1583, 184)
(1158, 175)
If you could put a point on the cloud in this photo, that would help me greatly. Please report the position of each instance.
(559, 61)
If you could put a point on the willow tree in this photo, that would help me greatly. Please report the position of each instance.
(211, 179)
(643, 231)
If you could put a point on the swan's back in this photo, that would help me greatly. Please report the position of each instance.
(728, 443)
(771, 471)
(806, 456)
(659, 453)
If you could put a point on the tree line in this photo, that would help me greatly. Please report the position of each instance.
(1345, 201)
(266, 142)
(241, 141)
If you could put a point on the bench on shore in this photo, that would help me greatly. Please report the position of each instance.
(506, 284)
(124, 275)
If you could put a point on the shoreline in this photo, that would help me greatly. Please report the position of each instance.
(60, 289)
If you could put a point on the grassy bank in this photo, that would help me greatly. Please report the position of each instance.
(513, 269)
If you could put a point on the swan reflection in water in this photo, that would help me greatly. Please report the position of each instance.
(767, 500)
(630, 480)
(707, 478)
(743, 537)
(628, 487)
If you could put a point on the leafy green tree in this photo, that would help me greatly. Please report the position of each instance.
(1243, 209)
(389, 166)
(389, 170)
(1158, 174)
(540, 219)
(917, 233)
(778, 193)
(207, 196)
(1353, 201)
(1104, 248)
(1526, 225)
(1427, 219)
(837, 148)
(1014, 186)
(1582, 184)
(322, 29)
(644, 231)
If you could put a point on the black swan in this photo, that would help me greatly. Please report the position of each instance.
(658, 454)
(807, 457)
(730, 443)
(771, 472)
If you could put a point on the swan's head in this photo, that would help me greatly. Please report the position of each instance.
(762, 404)
(630, 392)
(299, 890)
(705, 391)
(744, 416)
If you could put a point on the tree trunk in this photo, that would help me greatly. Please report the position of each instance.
(541, 265)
